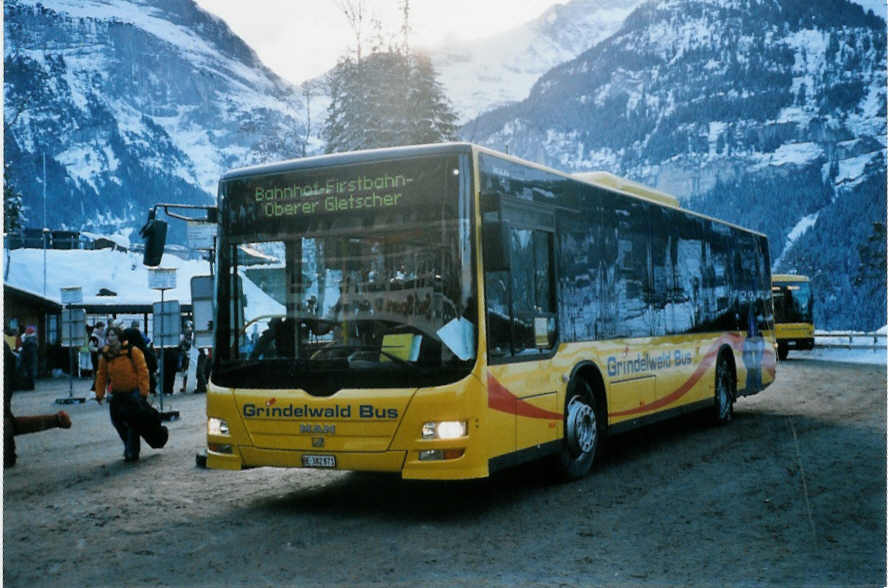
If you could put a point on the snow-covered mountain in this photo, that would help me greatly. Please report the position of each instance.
(767, 113)
(133, 102)
(501, 69)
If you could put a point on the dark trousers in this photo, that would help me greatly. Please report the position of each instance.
(94, 359)
(121, 403)
(170, 361)
(8, 441)
(203, 371)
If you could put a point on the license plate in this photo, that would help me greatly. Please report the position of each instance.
(319, 461)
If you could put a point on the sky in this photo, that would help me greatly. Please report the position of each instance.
(301, 39)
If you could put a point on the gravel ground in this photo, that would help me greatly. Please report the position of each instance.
(790, 493)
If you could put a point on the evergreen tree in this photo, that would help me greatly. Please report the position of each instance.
(341, 131)
(873, 264)
(388, 98)
(13, 211)
(431, 116)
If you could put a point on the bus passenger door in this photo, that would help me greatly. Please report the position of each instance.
(521, 327)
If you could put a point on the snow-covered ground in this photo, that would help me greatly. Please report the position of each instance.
(123, 273)
(870, 356)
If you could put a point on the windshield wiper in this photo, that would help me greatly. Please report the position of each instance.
(229, 368)
(235, 366)
(361, 347)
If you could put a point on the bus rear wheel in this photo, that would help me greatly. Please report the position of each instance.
(582, 432)
(724, 391)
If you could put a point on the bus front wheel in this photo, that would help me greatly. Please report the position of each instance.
(582, 432)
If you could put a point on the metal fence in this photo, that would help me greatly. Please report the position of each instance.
(849, 340)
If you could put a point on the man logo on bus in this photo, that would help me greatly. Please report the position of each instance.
(317, 429)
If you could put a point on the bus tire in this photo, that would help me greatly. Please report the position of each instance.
(725, 390)
(583, 426)
(782, 351)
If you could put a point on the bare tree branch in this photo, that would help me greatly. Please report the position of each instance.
(355, 11)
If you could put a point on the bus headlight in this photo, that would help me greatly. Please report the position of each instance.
(444, 430)
(217, 426)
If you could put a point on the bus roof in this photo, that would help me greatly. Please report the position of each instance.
(348, 157)
(601, 179)
(669, 200)
(789, 278)
(609, 180)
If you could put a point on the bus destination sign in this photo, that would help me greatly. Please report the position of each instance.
(335, 194)
(273, 202)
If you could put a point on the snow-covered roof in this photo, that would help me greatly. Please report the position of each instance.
(118, 271)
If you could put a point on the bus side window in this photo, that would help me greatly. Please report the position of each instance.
(499, 339)
(532, 284)
(518, 299)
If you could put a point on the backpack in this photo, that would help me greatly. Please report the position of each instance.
(136, 340)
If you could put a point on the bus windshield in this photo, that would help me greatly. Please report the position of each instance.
(346, 274)
(792, 302)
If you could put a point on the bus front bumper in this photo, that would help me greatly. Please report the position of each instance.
(797, 343)
(250, 457)
(407, 463)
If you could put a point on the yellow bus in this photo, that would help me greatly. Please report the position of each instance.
(793, 312)
(445, 311)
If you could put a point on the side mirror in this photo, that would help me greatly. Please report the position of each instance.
(495, 246)
(154, 233)
(236, 316)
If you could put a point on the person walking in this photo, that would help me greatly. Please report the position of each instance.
(170, 357)
(204, 367)
(186, 349)
(123, 367)
(13, 425)
(96, 342)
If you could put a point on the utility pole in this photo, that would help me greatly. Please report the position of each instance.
(45, 229)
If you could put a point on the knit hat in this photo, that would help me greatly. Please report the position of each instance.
(30, 331)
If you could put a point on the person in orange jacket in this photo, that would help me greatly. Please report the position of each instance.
(123, 367)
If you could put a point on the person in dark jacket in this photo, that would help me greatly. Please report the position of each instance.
(95, 344)
(29, 359)
(186, 341)
(13, 425)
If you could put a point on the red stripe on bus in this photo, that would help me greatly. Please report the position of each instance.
(500, 398)
(708, 359)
